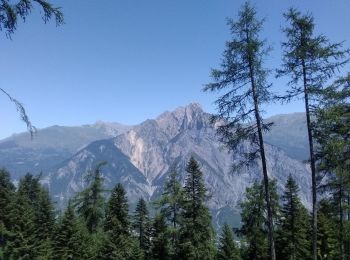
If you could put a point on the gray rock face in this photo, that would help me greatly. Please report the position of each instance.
(142, 157)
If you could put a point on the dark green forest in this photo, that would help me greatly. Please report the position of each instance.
(98, 223)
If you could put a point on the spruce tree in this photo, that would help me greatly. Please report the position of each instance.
(255, 244)
(333, 152)
(7, 192)
(90, 202)
(227, 247)
(21, 240)
(160, 239)
(244, 77)
(39, 201)
(293, 232)
(171, 204)
(117, 227)
(70, 237)
(327, 243)
(196, 233)
(44, 223)
(310, 61)
(142, 226)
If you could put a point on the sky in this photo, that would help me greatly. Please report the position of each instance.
(129, 60)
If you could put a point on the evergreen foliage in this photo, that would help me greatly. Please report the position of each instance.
(7, 192)
(171, 204)
(71, 237)
(310, 61)
(196, 233)
(142, 226)
(327, 243)
(21, 241)
(11, 12)
(90, 202)
(255, 244)
(117, 227)
(244, 77)
(160, 238)
(227, 249)
(294, 227)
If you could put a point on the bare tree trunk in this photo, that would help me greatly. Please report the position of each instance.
(264, 167)
(341, 225)
(312, 164)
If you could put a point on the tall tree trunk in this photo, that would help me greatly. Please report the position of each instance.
(341, 225)
(264, 167)
(347, 242)
(312, 165)
(341, 217)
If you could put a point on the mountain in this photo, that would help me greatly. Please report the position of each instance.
(290, 134)
(142, 157)
(50, 146)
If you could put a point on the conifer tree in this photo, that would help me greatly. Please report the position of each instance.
(39, 201)
(171, 204)
(70, 240)
(21, 241)
(44, 223)
(333, 151)
(118, 242)
(327, 242)
(310, 61)
(227, 247)
(160, 239)
(293, 233)
(11, 12)
(90, 202)
(7, 192)
(196, 233)
(142, 226)
(255, 244)
(244, 77)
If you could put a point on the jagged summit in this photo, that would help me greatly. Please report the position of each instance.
(141, 156)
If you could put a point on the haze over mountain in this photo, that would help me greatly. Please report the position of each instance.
(141, 157)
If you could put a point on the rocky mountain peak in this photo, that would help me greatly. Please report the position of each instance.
(182, 118)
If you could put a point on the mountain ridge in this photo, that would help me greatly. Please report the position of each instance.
(156, 146)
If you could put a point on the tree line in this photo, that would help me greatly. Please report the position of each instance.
(93, 227)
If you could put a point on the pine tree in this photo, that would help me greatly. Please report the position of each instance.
(10, 13)
(44, 224)
(118, 242)
(21, 240)
(255, 244)
(333, 152)
(171, 204)
(40, 204)
(239, 109)
(310, 61)
(90, 202)
(227, 247)
(327, 242)
(7, 192)
(70, 237)
(196, 233)
(160, 239)
(142, 226)
(293, 234)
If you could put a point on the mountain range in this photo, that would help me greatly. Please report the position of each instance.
(141, 157)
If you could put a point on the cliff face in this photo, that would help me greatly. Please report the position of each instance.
(142, 157)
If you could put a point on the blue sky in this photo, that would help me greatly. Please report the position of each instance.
(129, 60)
